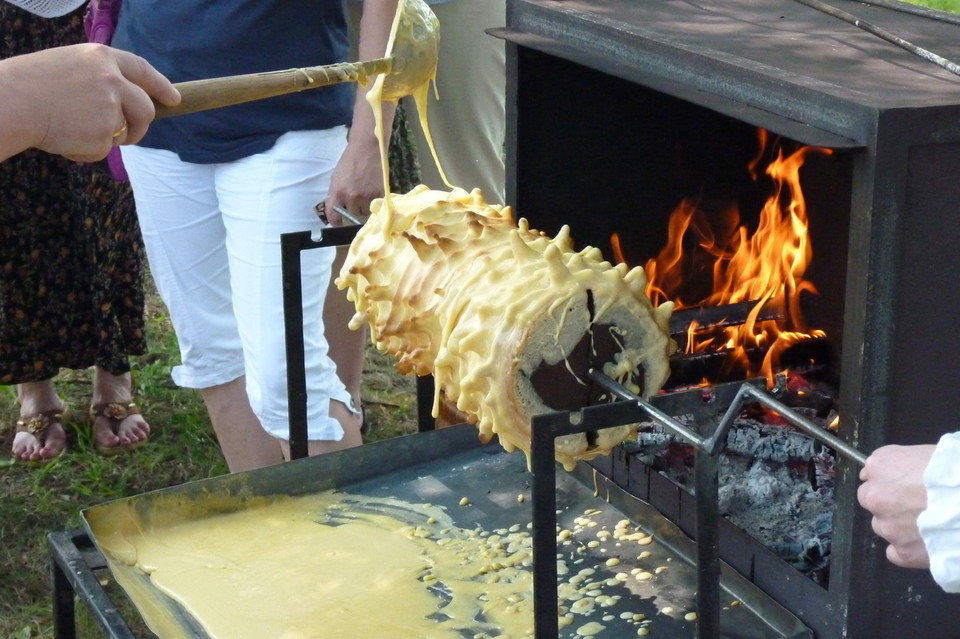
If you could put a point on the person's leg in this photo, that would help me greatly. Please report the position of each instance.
(185, 240)
(39, 400)
(347, 346)
(468, 121)
(263, 197)
(243, 441)
(116, 421)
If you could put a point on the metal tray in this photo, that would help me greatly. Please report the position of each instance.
(441, 468)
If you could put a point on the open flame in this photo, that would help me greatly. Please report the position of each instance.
(764, 269)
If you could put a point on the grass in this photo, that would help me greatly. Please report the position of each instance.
(953, 6)
(36, 500)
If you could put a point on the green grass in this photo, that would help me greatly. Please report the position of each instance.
(952, 6)
(38, 499)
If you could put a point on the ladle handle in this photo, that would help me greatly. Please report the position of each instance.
(213, 93)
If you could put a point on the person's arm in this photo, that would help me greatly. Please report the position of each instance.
(78, 101)
(358, 179)
(939, 523)
(913, 493)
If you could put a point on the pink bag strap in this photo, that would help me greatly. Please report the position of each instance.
(100, 19)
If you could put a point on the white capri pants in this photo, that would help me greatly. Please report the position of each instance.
(212, 236)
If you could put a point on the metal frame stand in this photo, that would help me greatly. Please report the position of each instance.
(703, 405)
(291, 245)
(73, 560)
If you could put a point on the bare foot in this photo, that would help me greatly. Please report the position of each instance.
(40, 435)
(117, 422)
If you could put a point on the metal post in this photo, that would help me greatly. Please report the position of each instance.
(544, 493)
(426, 386)
(708, 545)
(291, 245)
(64, 622)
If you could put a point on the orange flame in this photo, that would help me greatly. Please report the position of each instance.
(766, 268)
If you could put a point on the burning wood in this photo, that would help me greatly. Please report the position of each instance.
(508, 320)
(755, 282)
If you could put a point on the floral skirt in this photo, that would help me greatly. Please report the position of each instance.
(71, 257)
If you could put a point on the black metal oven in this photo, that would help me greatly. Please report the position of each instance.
(617, 109)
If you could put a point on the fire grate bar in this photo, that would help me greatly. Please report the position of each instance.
(702, 404)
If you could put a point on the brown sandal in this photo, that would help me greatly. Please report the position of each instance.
(115, 413)
(38, 425)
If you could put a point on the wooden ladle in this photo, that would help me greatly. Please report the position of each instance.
(409, 62)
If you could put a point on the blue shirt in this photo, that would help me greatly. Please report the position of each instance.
(196, 39)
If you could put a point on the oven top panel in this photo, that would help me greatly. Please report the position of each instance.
(778, 55)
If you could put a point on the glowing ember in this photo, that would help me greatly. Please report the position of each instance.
(765, 269)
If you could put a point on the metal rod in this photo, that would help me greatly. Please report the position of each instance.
(64, 614)
(713, 443)
(807, 426)
(347, 214)
(426, 388)
(655, 413)
(882, 33)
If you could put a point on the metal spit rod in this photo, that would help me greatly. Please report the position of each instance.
(926, 54)
(712, 444)
(347, 215)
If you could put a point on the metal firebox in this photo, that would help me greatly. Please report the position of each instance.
(617, 109)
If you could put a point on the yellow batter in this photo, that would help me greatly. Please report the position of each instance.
(455, 287)
(331, 565)
(341, 565)
(416, 28)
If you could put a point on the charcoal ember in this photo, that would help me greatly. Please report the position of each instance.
(777, 505)
(761, 484)
(775, 483)
(823, 469)
(751, 438)
(650, 447)
(808, 550)
(747, 437)
(660, 448)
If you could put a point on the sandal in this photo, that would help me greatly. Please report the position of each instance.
(38, 425)
(115, 413)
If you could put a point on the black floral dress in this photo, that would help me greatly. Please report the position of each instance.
(71, 257)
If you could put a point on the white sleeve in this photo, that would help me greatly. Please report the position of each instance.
(939, 524)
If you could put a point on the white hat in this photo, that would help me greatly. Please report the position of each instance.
(48, 8)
